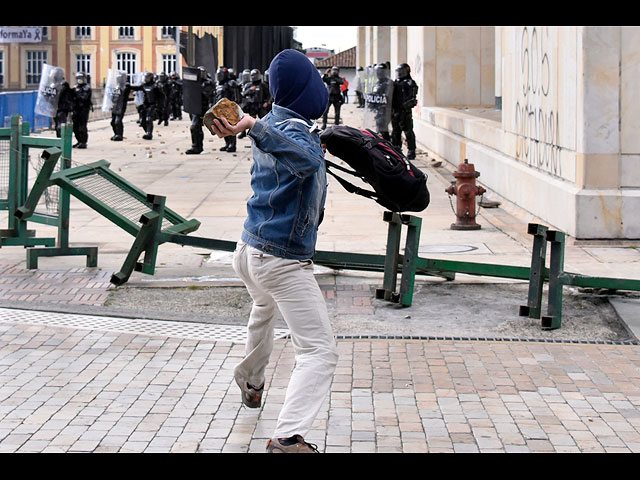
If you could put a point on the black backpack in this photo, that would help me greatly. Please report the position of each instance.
(398, 185)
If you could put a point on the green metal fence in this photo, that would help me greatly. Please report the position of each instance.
(152, 223)
(15, 178)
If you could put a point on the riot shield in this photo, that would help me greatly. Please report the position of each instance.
(138, 96)
(377, 112)
(49, 89)
(192, 90)
(360, 82)
(368, 79)
(109, 87)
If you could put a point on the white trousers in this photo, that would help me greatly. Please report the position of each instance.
(276, 283)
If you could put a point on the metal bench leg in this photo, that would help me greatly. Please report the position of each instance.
(553, 319)
(392, 257)
(407, 282)
(148, 265)
(533, 307)
(140, 244)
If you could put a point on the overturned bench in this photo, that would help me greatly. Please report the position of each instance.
(142, 215)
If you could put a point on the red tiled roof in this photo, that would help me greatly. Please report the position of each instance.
(346, 58)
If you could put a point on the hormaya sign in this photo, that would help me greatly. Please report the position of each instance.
(20, 34)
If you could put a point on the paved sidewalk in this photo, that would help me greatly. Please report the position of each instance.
(85, 367)
(83, 390)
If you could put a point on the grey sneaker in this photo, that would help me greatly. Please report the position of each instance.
(295, 444)
(251, 396)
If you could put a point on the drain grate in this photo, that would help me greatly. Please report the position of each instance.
(165, 328)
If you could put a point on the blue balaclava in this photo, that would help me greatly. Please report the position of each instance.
(296, 84)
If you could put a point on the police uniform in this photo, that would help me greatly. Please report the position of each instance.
(334, 82)
(119, 99)
(207, 88)
(379, 97)
(227, 88)
(82, 104)
(175, 96)
(164, 104)
(65, 106)
(405, 92)
(153, 98)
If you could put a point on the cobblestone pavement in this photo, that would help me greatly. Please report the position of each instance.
(69, 286)
(89, 389)
(73, 380)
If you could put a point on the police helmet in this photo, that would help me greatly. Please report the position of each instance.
(381, 70)
(403, 70)
(255, 75)
(56, 75)
(81, 78)
(122, 78)
(222, 74)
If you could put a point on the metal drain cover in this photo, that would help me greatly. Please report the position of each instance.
(165, 328)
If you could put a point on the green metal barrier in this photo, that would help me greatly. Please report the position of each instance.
(152, 223)
(119, 201)
(17, 233)
(409, 264)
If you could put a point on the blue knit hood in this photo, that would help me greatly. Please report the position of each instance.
(296, 84)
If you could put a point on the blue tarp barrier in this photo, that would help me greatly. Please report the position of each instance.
(24, 103)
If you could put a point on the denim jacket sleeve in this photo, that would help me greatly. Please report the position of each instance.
(292, 148)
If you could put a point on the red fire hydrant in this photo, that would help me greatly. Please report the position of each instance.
(466, 190)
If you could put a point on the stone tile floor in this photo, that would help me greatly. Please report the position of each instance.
(85, 390)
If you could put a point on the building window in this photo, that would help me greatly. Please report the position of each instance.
(127, 61)
(83, 63)
(126, 32)
(35, 60)
(169, 63)
(168, 32)
(83, 32)
(1, 68)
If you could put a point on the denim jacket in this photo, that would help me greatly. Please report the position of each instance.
(289, 183)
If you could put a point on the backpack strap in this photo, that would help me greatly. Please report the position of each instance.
(339, 167)
(349, 187)
(372, 139)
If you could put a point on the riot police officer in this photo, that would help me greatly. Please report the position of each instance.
(82, 104)
(227, 88)
(164, 105)
(378, 101)
(207, 90)
(255, 96)
(175, 96)
(334, 81)
(405, 97)
(119, 99)
(270, 100)
(65, 105)
(360, 87)
(245, 81)
(245, 77)
(153, 98)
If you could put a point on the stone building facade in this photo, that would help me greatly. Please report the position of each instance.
(548, 115)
